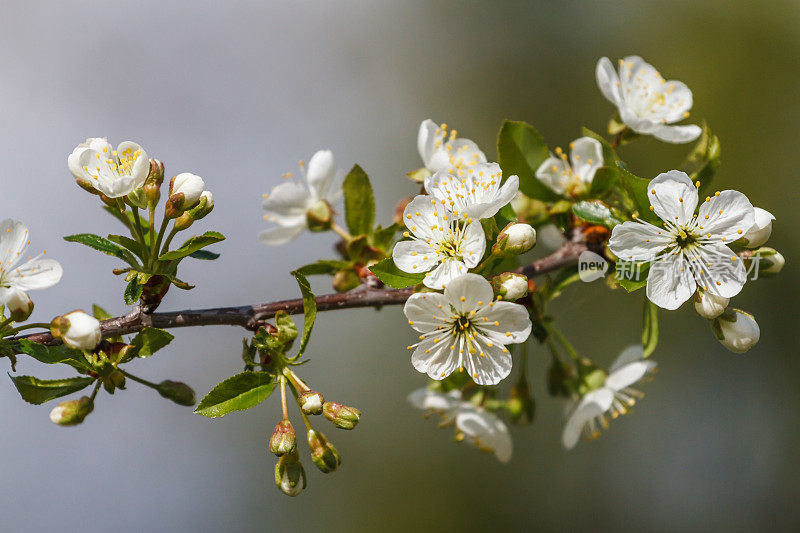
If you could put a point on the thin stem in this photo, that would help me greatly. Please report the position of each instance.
(161, 231)
(296, 381)
(168, 241)
(283, 398)
(139, 380)
(152, 220)
(140, 233)
(341, 232)
(305, 417)
(27, 326)
(96, 388)
(573, 353)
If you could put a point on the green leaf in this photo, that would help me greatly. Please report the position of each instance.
(149, 340)
(287, 330)
(356, 246)
(204, 255)
(392, 276)
(636, 188)
(382, 238)
(604, 180)
(520, 151)
(324, 266)
(103, 245)
(237, 393)
(178, 283)
(701, 164)
(309, 310)
(127, 242)
(632, 275)
(133, 292)
(38, 391)
(649, 327)
(359, 203)
(99, 313)
(505, 216)
(53, 354)
(595, 212)
(193, 244)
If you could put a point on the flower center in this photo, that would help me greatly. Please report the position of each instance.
(685, 238)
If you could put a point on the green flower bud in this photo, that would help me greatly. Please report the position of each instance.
(310, 402)
(342, 416)
(515, 239)
(72, 412)
(319, 216)
(136, 198)
(510, 286)
(152, 185)
(323, 453)
(290, 476)
(178, 392)
(283, 439)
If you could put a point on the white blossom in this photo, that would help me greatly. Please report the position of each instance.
(443, 151)
(691, 250)
(191, 186)
(289, 204)
(114, 173)
(737, 330)
(761, 229)
(591, 412)
(473, 192)
(576, 174)
(647, 103)
(439, 244)
(34, 274)
(475, 425)
(464, 328)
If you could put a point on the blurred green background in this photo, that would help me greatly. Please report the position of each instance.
(238, 92)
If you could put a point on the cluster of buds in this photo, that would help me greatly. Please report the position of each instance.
(342, 416)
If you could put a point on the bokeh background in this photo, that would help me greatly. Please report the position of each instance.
(238, 92)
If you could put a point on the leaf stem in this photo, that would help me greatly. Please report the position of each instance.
(139, 380)
(94, 392)
(341, 232)
(283, 398)
(562, 340)
(168, 241)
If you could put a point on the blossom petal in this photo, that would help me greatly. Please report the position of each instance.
(586, 157)
(429, 400)
(554, 172)
(442, 275)
(141, 165)
(634, 352)
(504, 322)
(487, 363)
(718, 270)
(419, 217)
(280, 234)
(637, 241)
(485, 431)
(426, 311)
(465, 292)
(591, 405)
(287, 203)
(426, 139)
(728, 214)
(608, 81)
(414, 256)
(670, 281)
(673, 197)
(434, 358)
(474, 244)
(320, 172)
(628, 374)
(13, 242)
(677, 134)
(37, 274)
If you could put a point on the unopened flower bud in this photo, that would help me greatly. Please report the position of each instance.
(19, 305)
(178, 392)
(709, 305)
(152, 185)
(342, 416)
(290, 476)
(72, 412)
(770, 262)
(203, 207)
(515, 239)
(346, 279)
(319, 216)
(311, 402)
(185, 190)
(323, 453)
(115, 380)
(736, 330)
(761, 229)
(283, 439)
(510, 286)
(77, 330)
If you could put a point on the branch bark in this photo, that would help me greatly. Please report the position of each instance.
(252, 316)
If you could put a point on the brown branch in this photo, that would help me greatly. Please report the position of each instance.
(253, 316)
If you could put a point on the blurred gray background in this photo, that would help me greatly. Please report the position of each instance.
(238, 92)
